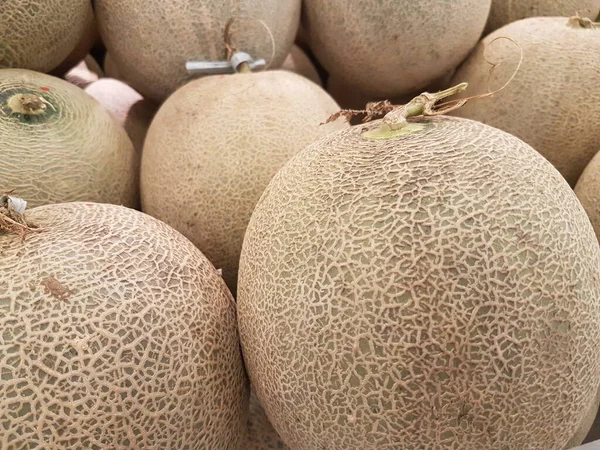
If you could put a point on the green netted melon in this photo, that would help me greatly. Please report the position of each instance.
(151, 44)
(504, 12)
(116, 333)
(39, 35)
(215, 144)
(556, 115)
(60, 145)
(389, 48)
(427, 286)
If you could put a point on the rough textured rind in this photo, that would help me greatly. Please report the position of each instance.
(75, 151)
(594, 432)
(151, 45)
(556, 115)
(214, 146)
(433, 291)
(261, 434)
(504, 12)
(90, 37)
(586, 425)
(39, 35)
(298, 62)
(391, 47)
(111, 70)
(115, 333)
(588, 192)
(126, 105)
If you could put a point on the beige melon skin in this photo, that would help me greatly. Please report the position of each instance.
(261, 434)
(126, 105)
(504, 12)
(40, 35)
(586, 425)
(588, 192)
(87, 40)
(111, 70)
(204, 168)
(117, 333)
(393, 47)
(298, 62)
(553, 103)
(437, 290)
(74, 151)
(151, 45)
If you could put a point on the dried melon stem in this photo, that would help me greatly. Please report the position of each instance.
(13, 221)
(395, 121)
(231, 48)
(422, 105)
(583, 22)
(29, 104)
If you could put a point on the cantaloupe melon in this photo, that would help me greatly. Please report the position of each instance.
(588, 421)
(60, 145)
(553, 103)
(89, 38)
(85, 73)
(205, 167)
(126, 105)
(302, 37)
(39, 35)
(433, 286)
(152, 44)
(504, 12)
(588, 192)
(594, 433)
(388, 47)
(261, 434)
(298, 62)
(116, 333)
(111, 70)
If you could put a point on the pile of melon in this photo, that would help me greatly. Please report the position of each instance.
(299, 224)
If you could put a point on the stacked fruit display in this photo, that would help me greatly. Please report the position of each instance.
(198, 252)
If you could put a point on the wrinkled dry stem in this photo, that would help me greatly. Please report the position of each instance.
(425, 104)
(395, 117)
(584, 22)
(12, 221)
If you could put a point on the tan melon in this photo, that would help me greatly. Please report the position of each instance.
(586, 425)
(504, 12)
(204, 168)
(433, 286)
(298, 62)
(151, 55)
(89, 38)
(302, 37)
(261, 434)
(588, 192)
(39, 36)
(126, 105)
(389, 48)
(117, 333)
(559, 116)
(85, 73)
(594, 433)
(60, 145)
(111, 70)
